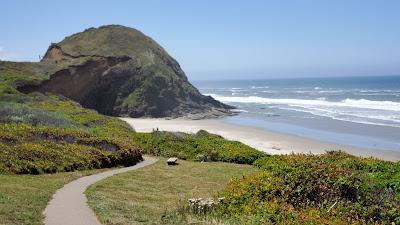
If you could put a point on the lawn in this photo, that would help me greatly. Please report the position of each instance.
(151, 194)
(24, 197)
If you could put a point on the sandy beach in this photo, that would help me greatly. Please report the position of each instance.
(262, 139)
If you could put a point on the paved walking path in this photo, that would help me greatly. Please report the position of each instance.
(69, 207)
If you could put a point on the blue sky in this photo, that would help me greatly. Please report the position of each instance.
(226, 39)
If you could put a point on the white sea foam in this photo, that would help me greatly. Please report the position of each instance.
(239, 110)
(259, 87)
(238, 90)
(334, 113)
(385, 113)
(347, 103)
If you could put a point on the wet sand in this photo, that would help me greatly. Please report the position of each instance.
(268, 141)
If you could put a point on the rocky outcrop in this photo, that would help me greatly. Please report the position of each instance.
(121, 72)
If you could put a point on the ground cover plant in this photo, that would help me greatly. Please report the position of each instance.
(333, 188)
(202, 146)
(27, 149)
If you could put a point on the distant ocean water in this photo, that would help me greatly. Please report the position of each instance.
(357, 111)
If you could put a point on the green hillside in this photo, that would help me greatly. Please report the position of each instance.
(46, 133)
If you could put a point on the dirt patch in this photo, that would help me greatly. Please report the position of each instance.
(55, 54)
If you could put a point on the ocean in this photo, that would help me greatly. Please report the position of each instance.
(356, 111)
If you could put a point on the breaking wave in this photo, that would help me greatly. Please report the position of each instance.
(384, 113)
(346, 103)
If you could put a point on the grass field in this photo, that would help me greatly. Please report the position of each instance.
(149, 195)
(24, 197)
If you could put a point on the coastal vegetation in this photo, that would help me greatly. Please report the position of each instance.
(46, 133)
(34, 150)
(201, 146)
(149, 195)
(332, 188)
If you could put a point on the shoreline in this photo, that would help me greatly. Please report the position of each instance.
(268, 141)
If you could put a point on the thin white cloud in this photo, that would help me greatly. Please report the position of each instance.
(3, 55)
(7, 55)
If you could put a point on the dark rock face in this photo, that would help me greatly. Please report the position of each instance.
(121, 72)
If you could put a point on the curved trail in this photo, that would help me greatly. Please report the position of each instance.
(69, 207)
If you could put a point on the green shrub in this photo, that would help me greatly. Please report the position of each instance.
(332, 188)
(33, 150)
(201, 146)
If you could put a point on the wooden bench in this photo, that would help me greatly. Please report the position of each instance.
(172, 161)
